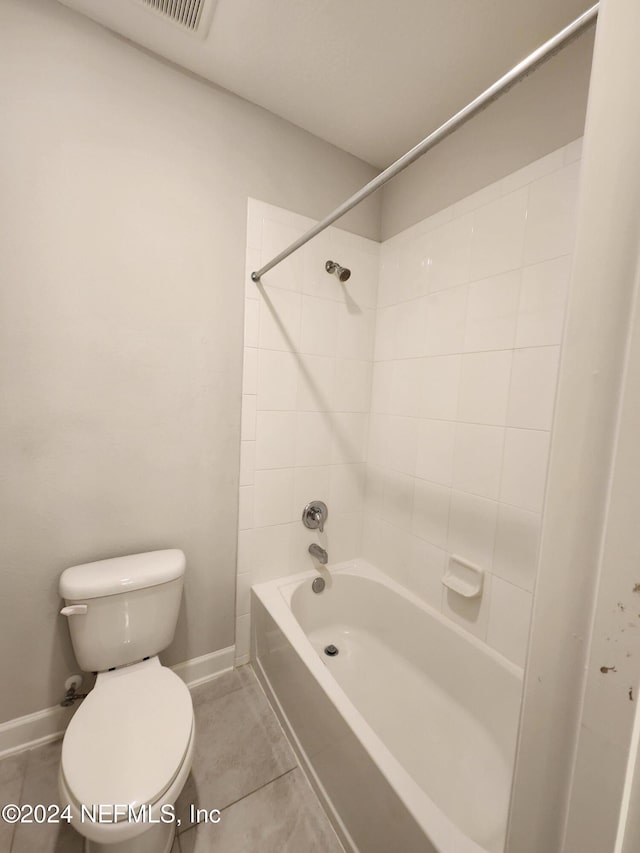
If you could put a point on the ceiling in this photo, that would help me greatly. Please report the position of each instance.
(370, 76)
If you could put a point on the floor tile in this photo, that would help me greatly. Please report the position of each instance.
(41, 786)
(236, 679)
(243, 766)
(282, 817)
(239, 747)
(12, 771)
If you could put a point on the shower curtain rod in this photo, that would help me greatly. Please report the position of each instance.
(491, 94)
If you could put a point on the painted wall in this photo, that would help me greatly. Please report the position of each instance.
(123, 210)
(468, 332)
(577, 721)
(542, 113)
(308, 360)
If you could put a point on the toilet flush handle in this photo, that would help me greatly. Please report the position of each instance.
(74, 610)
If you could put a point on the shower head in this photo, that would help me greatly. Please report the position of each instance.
(334, 268)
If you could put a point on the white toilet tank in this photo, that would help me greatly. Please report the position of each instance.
(124, 609)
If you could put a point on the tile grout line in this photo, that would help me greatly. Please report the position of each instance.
(244, 797)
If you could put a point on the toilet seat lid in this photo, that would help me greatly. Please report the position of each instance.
(127, 741)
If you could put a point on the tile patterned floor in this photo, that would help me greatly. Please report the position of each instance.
(243, 765)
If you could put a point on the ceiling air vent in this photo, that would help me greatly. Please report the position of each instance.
(189, 14)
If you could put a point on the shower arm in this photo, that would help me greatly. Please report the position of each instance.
(502, 85)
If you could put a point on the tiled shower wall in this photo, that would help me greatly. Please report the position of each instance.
(308, 363)
(469, 325)
(442, 380)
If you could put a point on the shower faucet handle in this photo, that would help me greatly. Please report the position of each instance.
(314, 515)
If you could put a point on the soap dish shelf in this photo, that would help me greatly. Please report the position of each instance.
(463, 577)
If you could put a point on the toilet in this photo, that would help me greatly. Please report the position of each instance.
(130, 743)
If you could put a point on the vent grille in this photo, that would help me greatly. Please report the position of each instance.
(186, 13)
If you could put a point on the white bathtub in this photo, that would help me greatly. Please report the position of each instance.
(408, 734)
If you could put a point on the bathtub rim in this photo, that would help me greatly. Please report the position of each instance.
(276, 595)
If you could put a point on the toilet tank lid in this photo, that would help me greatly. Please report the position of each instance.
(121, 574)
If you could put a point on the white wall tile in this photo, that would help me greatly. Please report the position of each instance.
(484, 387)
(254, 225)
(313, 439)
(492, 313)
(276, 380)
(516, 551)
(316, 281)
(409, 328)
(299, 558)
(389, 276)
(316, 382)
(421, 255)
(352, 386)
(362, 288)
(441, 382)
(280, 313)
(440, 308)
(276, 236)
(525, 468)
(248, 418)
(534, 378)
(264, 552)
(245, 508)
(430, 519)
(397, 504)
(356, 331)
(384, 348)
(411, 279)
(273, 497)
(400, 444)
(406, 387)
(349, 438)
(247, 462)
(509, 619)
(382, 386)
(243, 638)
(243, 593)
(252, 263)
(449, 250)
(478, 199)
(389, 548)
(251, 322)
(445, 319)
(379, 426)
(551, 215)
(542, 303)
(434, 459)
(472, 614)
(424, 571)
(498, 235)
(538, 169)
(275, 440)
(310, 484)
(374, 490)
(250, 371)
(319, 329)
(472, 528)
(344, 537)
(347, 487)
(477, 459)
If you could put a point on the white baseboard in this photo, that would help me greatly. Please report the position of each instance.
(49, 724)
(33, 729)
(199, 670)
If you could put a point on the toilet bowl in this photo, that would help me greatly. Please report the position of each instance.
(127, 751)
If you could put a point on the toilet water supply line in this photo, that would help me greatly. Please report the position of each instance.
(502, 85)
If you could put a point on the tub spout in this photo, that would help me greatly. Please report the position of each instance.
(319, 553)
